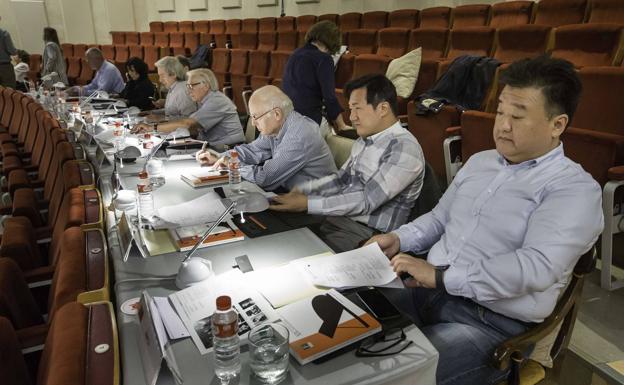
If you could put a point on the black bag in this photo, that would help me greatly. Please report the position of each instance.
(202, 57)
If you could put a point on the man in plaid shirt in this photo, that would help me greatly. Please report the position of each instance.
(377, 187)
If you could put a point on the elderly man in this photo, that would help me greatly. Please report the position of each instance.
(178, 103)
(290, 149)
(107, 76)
(216, 121)
(378, 185)
(504, 238)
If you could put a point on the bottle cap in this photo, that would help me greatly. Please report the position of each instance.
(147, 135)
(224, 302)
(233, 154)
(143, 174)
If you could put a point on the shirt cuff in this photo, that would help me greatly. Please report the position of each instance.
(405, 236)
(455, 278)
(315, 205)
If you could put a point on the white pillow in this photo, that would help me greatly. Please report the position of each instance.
(403, 72)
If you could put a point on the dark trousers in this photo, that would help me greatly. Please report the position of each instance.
(464, 333)
(7, 75)
(343, 234)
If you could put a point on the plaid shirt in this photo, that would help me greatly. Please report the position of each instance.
(377, 186)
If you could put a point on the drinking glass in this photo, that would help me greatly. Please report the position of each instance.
(268, 352)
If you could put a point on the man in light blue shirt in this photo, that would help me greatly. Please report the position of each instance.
(504, 238)
(290, 149)
(107, 76)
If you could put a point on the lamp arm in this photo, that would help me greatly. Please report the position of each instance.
(210, 230)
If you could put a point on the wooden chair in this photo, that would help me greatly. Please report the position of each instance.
(510, 353)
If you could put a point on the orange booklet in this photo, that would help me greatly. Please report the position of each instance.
(208, 177)
(324, 323)
(184, 238)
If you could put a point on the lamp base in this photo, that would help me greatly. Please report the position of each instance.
(193, 271)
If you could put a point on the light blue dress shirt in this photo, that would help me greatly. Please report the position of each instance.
(511, 233)
(107, 78)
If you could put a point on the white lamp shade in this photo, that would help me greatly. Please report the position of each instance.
(193, 271)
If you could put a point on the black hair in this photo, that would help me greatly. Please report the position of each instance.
(378, 89)
(23, 56)
(50, 35)
(139, 66)
(557, 78)
(327, 33)
(184, 61)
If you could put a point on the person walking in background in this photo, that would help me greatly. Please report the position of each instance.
(309, 75)
(53, 60)
(7, 50)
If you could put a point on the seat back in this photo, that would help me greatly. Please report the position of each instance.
(248, 40)
(478, 41)
(13, 369)
(267, 40)
(349, 21)
(156, 26)
(70, 356)
(266, 24)
(340, 148)
(136, 51)
(191, 40)
(185, 26)
(151, 54)
(403, 18)
(517, 42)
(202, 26)
(435, 17)
(393, 42)
(132, 38)
(286, 40)
(239, 61)
(249, 25)
(555, 13)
(374, 20)
(121, 54)
(146, 38)
(304, 22)
(217, 27)
(434, 42)
(599, 108)
(606, 11)
(362, 41)
(471, 15)
(86, 73)
(589, 44)
(430, 194)
(161, 39)
(170, 26)
(118, 38)
(176, 39)
(285, 24)
(370, 64)
(509, 13)
(68, 50)
(333, 17)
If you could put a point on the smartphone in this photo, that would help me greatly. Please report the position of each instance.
(378, 304)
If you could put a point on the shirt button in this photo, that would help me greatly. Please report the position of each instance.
(489, 191)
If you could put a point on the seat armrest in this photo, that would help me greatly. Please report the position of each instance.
(43, 233)
(616, 173)
(454, 130)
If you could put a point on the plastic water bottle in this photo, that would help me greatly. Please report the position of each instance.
(235, 176)
(145, 197)
(225, 339)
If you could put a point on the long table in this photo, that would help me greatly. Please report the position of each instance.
(415, 365)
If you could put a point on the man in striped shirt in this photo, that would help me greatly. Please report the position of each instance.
(377, 187)
(290, 149)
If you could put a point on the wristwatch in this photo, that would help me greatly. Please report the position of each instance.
(439, 276)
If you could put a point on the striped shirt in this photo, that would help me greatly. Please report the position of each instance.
(379, 183)
(178, 103)
(107, 78)
(297, 154)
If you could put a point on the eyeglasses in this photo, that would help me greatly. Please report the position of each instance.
(191, 85)
(389, 342)
(256, 118)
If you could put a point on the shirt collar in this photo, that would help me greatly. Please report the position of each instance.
(388, 131)
(205, 98)
(555, 153)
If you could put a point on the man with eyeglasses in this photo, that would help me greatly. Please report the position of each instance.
(215, 121)
(378, 185)
(290, 149)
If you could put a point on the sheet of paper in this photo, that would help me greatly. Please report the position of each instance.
(196, 304)
(284, 284)
(173, 324)
(175, 157)
(366, 266)
(207, 208)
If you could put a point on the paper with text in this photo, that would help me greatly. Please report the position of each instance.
(366, 266)
(207, 208)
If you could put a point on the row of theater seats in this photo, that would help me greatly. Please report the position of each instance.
(547, 12)
(54, 285)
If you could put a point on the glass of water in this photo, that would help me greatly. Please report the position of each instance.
(268, 352)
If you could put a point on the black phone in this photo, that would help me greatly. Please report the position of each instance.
(378, 304)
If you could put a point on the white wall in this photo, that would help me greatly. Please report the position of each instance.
(90, 21)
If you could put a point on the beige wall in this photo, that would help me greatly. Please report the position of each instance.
(90, 21)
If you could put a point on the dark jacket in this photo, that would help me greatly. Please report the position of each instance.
(464, 84)
(309, 81)
(138, 92)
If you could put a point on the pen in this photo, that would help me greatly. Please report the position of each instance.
(203, 147)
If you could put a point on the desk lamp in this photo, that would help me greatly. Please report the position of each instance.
(195, 270)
